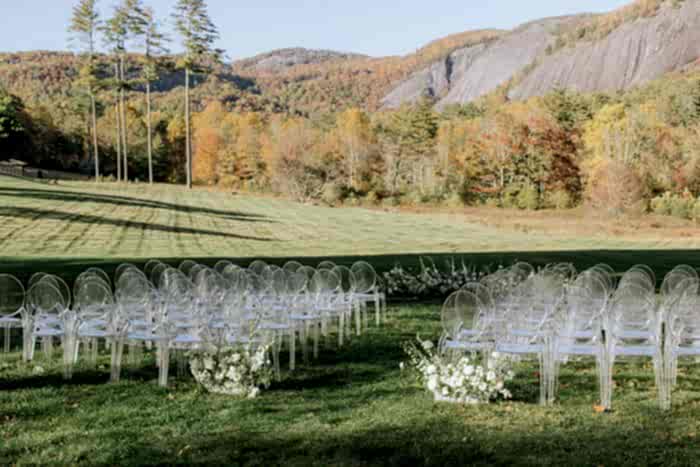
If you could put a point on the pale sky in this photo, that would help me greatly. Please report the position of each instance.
(372, 27)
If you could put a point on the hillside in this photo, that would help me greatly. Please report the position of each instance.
(610, 52)
(632, 54)
(295, 80)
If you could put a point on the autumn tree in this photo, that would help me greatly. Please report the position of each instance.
(355, 134)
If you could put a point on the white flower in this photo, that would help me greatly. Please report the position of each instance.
(469, 370)
(490, 376)
(208, 364)
(431, 369)
(427, 345)
(432, 383)
(401, 366)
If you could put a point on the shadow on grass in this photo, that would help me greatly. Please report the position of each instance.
(115, 200)
(35, 213)
(440, 441)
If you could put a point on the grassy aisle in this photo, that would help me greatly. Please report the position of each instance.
(352, 407)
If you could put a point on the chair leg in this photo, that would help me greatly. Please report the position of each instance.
(341, 326)
(315, 331)
(358, 319)
(8, 335)
(304, 338)
(116, 349)
(377, 313)
(164, 364)
(69, 345)
(292, 347)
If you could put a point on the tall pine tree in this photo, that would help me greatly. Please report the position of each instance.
(84, 27)
(153, 43)
(198, 35)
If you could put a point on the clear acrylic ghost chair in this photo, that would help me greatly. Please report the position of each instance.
(323, 289)
(637, 278)
(34, 278)
(156, 274)
(675, 277)
(292, 266)
(150, 266)
(221, 265)
(681, 336)
(533, 317)
(486, 300)
(94, 303)
(581, 331)
(258, 267)
(47, 304)
(47, 340)
(185, 266)
(604, 276)
(12, 296)
(301, 310)
(274, 322)
(325, 265)
(366, 287)
(130, 320)
(194, 271)
(348, 289)
(634, 332)
(465, 327)
(124, 267)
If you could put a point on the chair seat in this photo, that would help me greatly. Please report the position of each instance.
(636, 350)
(680, 351)
(579, 349)
(457, 345)
(519, 348)
(305, 317)
(48, 332)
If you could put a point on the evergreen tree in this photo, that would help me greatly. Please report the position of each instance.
(84, 27)
(115, 32)
(147, 29)
(198, 35)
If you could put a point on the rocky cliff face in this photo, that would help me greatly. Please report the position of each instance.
(635, 52)
(632, 54)
(474, 71)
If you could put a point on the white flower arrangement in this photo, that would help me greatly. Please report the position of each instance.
(430, 281)
(464, 380)
(237, 371)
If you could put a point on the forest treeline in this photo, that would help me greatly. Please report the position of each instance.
(152, 111)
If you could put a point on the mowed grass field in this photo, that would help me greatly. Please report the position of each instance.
(353, 406)
(68, 227)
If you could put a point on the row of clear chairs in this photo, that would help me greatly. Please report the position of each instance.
(190, 307)
(556, 315)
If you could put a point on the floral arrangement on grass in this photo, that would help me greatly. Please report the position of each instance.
(462, 380)
(430, 281)
(237, 371)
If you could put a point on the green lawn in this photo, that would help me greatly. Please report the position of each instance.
(352, 407)
(66, 228)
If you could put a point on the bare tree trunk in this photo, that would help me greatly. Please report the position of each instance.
(94, 137)
(148, 129)
(119, 126)
(119, 140)
(125, 150)
(188, 139)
